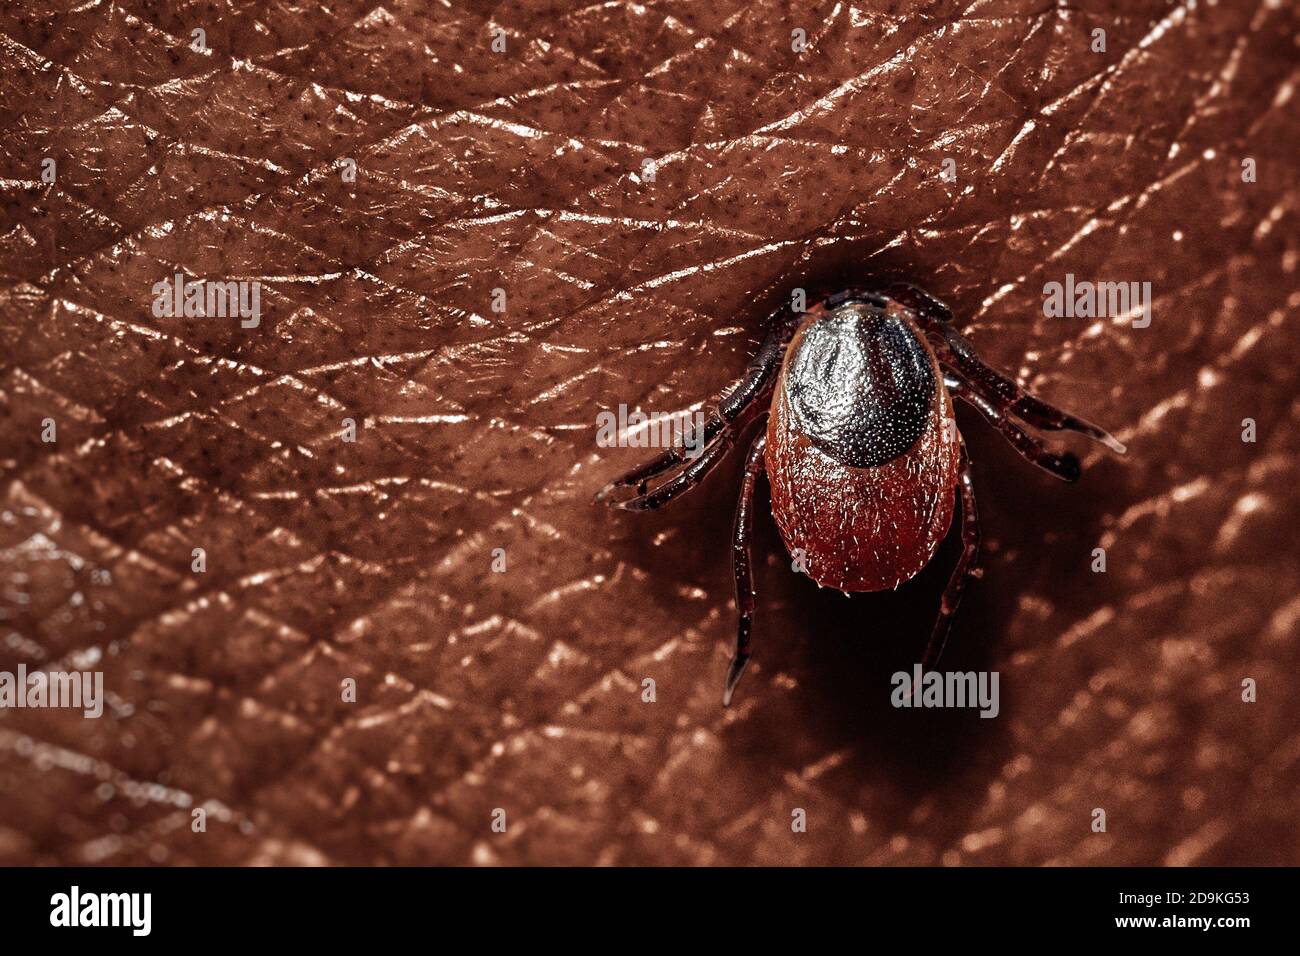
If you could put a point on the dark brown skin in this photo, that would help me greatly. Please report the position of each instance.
(862, 529)
(521, 690)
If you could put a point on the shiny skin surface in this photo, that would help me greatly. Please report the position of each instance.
(521, 690)
(861, 529)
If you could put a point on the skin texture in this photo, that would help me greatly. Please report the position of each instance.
(524, 171)
(862, 529)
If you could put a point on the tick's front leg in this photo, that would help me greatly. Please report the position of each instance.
(1064, 466)
(734, 411)
(957, 356)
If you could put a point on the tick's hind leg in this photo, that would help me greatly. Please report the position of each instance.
(740, 560)
(965, 568)
(1064, 466)
(735, 410)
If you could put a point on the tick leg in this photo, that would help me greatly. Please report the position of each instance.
(957, 355)
(686, 479)
(740, 562)
(970, 541)
(729, 415)
(666, 461)
(1064, 466)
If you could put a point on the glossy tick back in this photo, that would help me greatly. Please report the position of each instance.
(860, 447)
(861, 385)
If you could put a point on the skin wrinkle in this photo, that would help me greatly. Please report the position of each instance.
(522, 690)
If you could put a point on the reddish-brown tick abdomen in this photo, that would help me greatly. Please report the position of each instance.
(872, 526)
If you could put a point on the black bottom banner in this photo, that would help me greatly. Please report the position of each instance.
(334, 907)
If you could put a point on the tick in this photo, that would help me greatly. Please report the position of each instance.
(862, 453)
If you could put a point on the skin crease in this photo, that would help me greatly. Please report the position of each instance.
(862, 529)
(524, 171)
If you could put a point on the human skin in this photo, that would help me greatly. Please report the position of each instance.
(523, 171)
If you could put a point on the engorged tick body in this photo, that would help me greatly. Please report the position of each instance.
(861, 448)
(860, 460)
